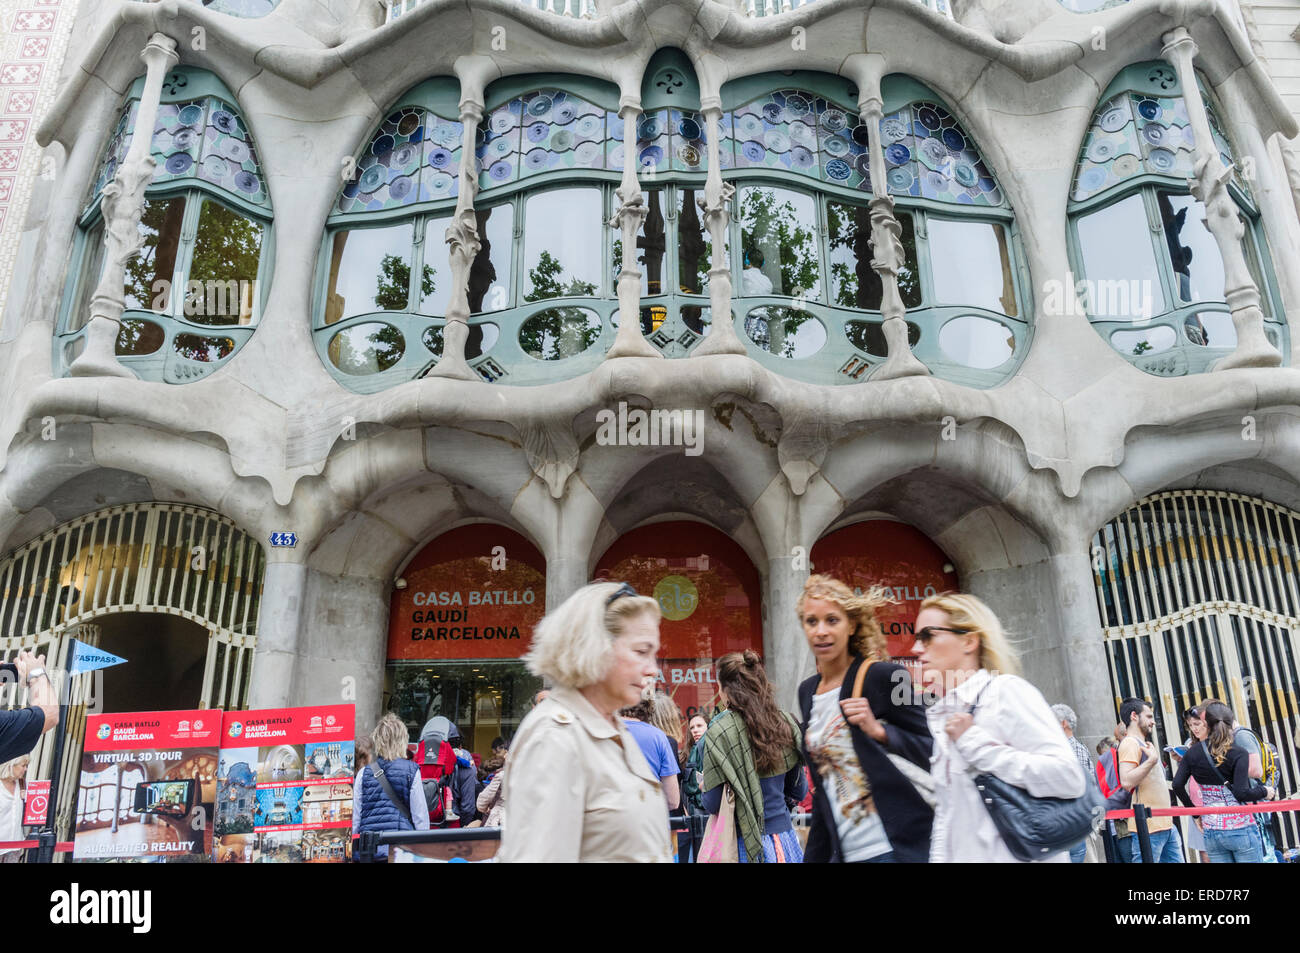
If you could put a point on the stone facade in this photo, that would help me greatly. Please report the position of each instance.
(1011, 481)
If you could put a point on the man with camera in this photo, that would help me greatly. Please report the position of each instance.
(21, 729)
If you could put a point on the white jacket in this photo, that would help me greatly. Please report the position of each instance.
(1015, 737)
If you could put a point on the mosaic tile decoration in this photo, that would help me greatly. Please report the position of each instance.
(543, 131)
(200, 139)
(34, 37)
(413, 157)
(1137, 133)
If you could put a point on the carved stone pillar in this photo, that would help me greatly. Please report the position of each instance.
(717, 197)
(122, 205)
(887, 257)
(1222, 218)
(462, 239)
(631, 213)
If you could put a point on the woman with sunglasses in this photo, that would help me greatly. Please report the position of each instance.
(579, 789)
(870, 748)
(987, 719)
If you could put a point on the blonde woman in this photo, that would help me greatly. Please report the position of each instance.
(869, 751)
(578, 787)
(11, 806)
(987, 719)
(373, 807)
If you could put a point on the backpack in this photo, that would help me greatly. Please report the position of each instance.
(1117, 799)
(1267, 757)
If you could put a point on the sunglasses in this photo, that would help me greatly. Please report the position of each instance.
(925, 635)
(624, 590)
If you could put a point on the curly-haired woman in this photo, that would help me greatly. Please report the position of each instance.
(870, 749)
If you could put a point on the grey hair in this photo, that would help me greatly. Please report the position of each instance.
(572, 644)
(9, 768)
(389, 738)
(1066, 714)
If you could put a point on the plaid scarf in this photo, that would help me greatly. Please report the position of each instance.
(729, 758)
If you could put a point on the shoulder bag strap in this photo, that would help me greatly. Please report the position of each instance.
(1213, 767)
(862, 677)
(398, 803)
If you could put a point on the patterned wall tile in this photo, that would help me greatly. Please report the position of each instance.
(34, 38)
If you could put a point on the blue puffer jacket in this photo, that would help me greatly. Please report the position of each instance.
(378, 813)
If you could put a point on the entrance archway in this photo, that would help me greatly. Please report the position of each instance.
(133, 577)
(165, 662)
(458, 624)
(710, 595)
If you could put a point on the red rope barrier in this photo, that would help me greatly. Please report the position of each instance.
(1262, 807)
(62, 847)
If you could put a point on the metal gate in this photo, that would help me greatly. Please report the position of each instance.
(1198, 597)
(141, 557)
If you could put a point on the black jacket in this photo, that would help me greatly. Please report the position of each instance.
(906, 816)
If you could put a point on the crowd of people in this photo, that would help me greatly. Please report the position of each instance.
(887, 768)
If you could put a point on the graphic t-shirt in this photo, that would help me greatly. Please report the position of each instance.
(1153, 790)
(853, 809)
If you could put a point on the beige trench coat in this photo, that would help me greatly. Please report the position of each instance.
(580, 790)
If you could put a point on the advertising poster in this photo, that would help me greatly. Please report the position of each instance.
(36, 805)
(148, 784)
(284, 791)
(709, 593)
(476, 594)
(896, 556)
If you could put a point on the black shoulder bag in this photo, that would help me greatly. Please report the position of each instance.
(398, 803)
(1035, 827)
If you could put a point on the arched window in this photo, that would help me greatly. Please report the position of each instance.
(538, 291)
(1151, 276)
(195, 292)
(809, 300)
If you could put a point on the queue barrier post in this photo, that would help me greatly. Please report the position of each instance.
(1140, 814)
(44, 849)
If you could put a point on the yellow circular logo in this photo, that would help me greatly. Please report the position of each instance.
(677, 597)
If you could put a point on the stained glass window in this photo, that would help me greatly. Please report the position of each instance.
(672, 140)
(203, 139)
(929, 155)
(796, 131)
(413, 157)
(927, 152)
(545, 130)
(1136, 133)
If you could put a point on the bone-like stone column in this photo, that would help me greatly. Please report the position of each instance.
(463, 241)
(122, 205)
(631, 213)
(717, 197)
(1222, 218)
(887, 257)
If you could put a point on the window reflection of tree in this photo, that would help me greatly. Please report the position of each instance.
(853, 282)
(160, 227)
(227, 248)
(778, 233)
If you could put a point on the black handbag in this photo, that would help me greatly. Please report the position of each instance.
(1035, 827)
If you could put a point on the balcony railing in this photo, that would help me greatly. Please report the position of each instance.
(586, 9)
